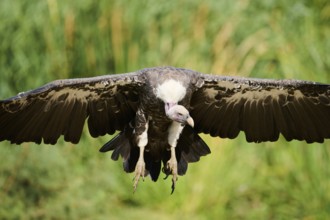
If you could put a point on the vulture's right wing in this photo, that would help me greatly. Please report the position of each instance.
(262, 109)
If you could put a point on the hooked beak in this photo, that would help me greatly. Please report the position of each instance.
(190, 121)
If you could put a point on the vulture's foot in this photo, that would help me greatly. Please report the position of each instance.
(140, 170)
(172, 166)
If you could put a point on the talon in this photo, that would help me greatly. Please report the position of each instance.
(139, 171)
(174, 179)
(172, 165)
(173, 185)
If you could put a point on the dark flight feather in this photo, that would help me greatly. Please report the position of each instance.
(61, 108)
(263, 108)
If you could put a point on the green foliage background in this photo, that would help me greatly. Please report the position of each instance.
(45, 40)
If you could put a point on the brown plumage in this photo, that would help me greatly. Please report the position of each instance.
(152, 107)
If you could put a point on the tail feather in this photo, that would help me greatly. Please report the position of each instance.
(153, 166)
(182, 166)
(189, 149)
(193, 146)
(130, 163)
(120, 146)
(110, 144)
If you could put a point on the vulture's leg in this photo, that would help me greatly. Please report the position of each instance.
(172, 165)
(141, 131)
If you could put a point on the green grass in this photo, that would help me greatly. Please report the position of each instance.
(46, 40)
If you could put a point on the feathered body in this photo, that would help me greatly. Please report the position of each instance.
(190, 146)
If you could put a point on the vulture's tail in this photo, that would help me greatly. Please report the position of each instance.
(189, 149)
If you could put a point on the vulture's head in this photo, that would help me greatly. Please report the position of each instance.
(179, 114)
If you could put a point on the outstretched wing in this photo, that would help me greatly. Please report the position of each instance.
(224, 106)
(61, 108)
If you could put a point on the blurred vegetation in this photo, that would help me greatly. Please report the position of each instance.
(46, 40)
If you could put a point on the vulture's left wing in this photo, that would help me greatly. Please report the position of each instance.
(224, 106)
(61, 108)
